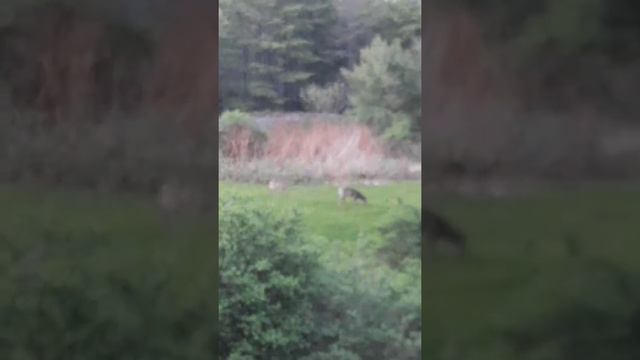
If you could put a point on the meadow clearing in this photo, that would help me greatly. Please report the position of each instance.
(532, 261)
(526, 256)
(320, 208)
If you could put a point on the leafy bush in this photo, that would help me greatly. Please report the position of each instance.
(386, 88)
(268, 285)
(279, 298)
(240, 138)
(72, 294)
(590, 311)
(332, 98)
(233, 118)
(401, 234)
(590, 316)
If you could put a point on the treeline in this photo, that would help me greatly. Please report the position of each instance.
(83, 60)
(563, 52)
(113, 95)
(326, 56)
(531, 89)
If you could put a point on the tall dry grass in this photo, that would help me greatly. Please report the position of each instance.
(334, 149)
(313, 151)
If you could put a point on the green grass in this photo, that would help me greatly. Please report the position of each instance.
(141, 237)
(323, 214)
(511, 241)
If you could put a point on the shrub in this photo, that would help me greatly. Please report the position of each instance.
(71, 294)
(267, 285)
(590, 317)
(332, 98)
(233, 118)
(280, 299)
(589, 312)
(386, 89)
(401, 235)
(240, 138)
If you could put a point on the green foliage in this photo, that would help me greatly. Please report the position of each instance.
(401, 234)
(567, 27)
(328, 99)
(524, 294)
(267, 284)
(81, 280)
(553, 29)
(288, 293)
(271, 49)
(239, 136)
(588, 316)
(233, 118)
(321, 212)
(396, 20)
(387, 89)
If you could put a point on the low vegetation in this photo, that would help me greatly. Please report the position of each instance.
(301, 276)
(89, 276)
(550, 275)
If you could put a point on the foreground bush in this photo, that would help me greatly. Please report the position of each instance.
(581, 309)
(402, 235)
(279, 299)
(332, 98)
(73, 294)
(240, 138)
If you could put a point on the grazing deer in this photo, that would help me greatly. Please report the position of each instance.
(350, 193)
(436, 229)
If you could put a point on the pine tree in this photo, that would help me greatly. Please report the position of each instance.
(270, 49)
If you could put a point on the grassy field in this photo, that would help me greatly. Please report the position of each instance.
(140, 233)
(83, 273)
(320, 208)
(140, 237)
(514, 242)
(510, 242)
(512, 245)
(138, 229)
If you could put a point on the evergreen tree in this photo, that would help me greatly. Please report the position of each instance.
(270, 49)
